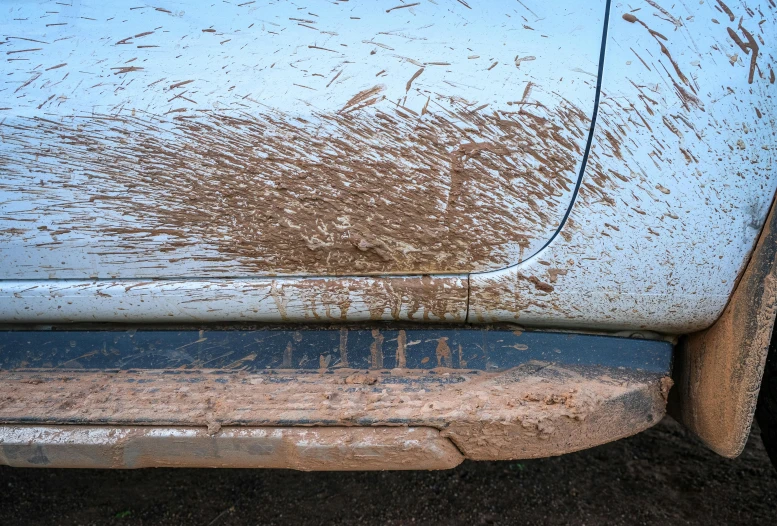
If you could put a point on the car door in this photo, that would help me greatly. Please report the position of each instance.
(255, 140)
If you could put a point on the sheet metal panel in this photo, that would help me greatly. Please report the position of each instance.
(679, 181)
(201, 140)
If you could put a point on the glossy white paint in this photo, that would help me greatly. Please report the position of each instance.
(678, 183)
(680, 179)
(91, 87)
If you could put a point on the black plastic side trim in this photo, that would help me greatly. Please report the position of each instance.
(320, 350)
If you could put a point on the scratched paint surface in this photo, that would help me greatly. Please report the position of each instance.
(254, 139)
(680, 179)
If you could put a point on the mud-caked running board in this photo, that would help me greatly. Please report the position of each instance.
(478, 394)
(307, 449)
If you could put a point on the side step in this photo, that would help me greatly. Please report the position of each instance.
(307, 449)
(320, 399)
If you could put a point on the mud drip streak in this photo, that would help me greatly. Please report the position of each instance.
(587, 151)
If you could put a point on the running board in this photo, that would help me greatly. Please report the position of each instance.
(426, 398)
(305, 449)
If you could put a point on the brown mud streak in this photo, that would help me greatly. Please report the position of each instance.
(363, 190)
(726, 10)
(401, 355)
(751, 45)
(443, 353)
(364, 98)
(376, 350)
(659, 38)
(401, 297)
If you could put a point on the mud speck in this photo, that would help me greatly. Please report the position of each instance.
(361, 379)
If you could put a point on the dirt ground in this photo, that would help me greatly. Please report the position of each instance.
(662, 476)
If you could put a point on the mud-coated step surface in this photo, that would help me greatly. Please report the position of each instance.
(530, 411)
(494, 394)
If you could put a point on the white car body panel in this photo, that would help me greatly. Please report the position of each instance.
(679, 182)
(252, 140)
(677, 185)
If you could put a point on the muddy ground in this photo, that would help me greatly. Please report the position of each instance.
(662, 476)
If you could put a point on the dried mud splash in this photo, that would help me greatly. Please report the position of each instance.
(371, 188)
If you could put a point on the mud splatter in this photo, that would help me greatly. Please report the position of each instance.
(725, 9)
(369, 189)
(747, 47)
(639, 118)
